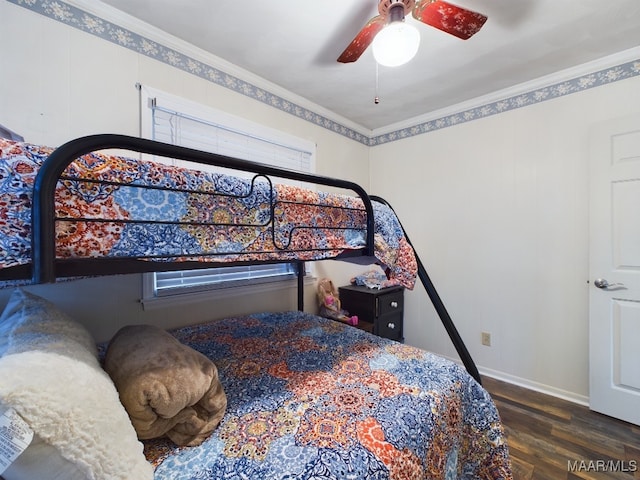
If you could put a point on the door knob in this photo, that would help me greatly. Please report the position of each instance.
(602, 283)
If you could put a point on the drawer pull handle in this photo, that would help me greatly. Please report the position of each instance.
(391, 325)
(394, 304)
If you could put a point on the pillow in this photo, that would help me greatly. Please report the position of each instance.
(168, 388)
(50, 375)
(31, 323)
(11, 135)
(31, 463)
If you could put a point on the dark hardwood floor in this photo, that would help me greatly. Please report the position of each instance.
(551, 439)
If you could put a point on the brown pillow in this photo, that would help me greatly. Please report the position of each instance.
(166, 387)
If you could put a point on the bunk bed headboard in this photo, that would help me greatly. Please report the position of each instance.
(44, 216)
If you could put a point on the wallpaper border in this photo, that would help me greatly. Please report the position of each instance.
(90, 23)
(542, 94)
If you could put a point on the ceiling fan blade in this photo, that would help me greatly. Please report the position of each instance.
(362, 40)
(449, 18)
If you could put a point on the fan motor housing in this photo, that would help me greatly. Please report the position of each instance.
(385, 6)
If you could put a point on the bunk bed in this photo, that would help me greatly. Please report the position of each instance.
(307, 397)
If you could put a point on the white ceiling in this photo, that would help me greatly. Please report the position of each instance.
(295, 44)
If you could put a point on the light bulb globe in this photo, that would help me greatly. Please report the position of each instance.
(396, 44)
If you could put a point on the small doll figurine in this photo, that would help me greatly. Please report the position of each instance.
(329, 303)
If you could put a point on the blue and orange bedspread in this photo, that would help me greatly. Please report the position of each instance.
(310, 398)
(153, 210)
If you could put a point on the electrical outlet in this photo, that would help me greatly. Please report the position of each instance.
(486, 339)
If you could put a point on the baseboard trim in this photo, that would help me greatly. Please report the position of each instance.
(536, 386)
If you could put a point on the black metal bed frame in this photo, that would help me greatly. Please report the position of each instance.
(45, 267)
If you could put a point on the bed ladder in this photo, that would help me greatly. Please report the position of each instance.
(439, 306)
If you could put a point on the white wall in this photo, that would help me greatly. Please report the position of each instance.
(497, 207)
(498, 211)
(58, 83)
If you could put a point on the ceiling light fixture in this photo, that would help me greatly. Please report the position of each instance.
(398, 41)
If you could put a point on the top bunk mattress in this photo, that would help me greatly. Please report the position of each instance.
(110, 206)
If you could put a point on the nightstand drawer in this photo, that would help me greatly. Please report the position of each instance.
(390, 302)
(390, 326)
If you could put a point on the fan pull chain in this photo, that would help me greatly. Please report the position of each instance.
(376, 99)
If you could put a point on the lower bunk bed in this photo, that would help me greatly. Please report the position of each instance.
(270, 395)
(314, 398)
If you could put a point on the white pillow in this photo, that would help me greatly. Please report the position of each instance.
(41, 461)
(50, 375)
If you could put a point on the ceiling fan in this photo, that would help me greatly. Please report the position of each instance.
(442, 15)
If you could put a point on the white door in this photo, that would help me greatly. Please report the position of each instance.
(614, 297)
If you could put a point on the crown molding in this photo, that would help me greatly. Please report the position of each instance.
(620, 58)
(609, 69)
(146, 30)
(115, 26)
(118, 27)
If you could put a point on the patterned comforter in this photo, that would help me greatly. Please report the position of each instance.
(310, 398)
(170, 213)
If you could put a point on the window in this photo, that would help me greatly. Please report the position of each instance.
(166, 283)
(180, 122)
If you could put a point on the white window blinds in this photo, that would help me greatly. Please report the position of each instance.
(182, 129)
(183, 123)
(170, 283)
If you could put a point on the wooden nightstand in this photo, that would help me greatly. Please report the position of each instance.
(379, 311)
